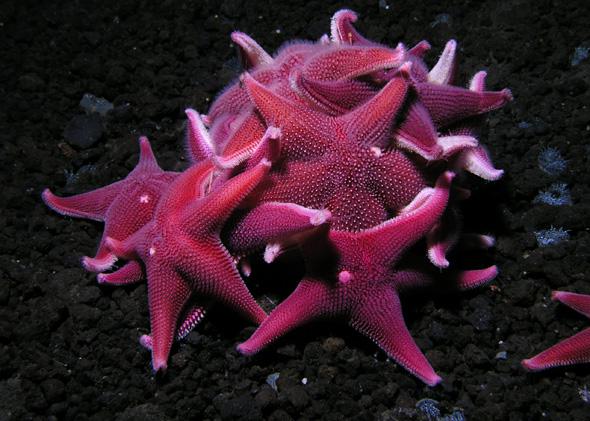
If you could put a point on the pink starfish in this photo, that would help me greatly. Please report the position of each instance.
(184, 256)
(361, 285)
(574, 350)
(124, 207)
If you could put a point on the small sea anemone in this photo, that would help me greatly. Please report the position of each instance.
(551, 237)
(557, 195)
(551, 161)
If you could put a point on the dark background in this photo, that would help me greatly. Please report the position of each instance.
(69, 348)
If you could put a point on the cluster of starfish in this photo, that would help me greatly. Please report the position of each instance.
(343, 150)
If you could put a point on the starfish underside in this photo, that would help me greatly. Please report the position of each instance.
(573, 350)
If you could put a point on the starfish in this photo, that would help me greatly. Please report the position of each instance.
(574, 350)
(183, 255)
(361, 286)
(124, 207)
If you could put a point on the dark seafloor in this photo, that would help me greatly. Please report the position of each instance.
(69, 348)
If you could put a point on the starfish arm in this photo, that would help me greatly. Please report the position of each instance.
(454, 144)
(103, 260)
(444, 70)
(147, 160)
(573, 350)
(199, 145)
(216, 277)
(269, 148)
(240, 133)
(91, 205)
(210, 213)
(168, 293)
(309, 301)
(273, 221)
(187, 188)
(370, 123)
(417, 133)
(577, 302)
(419, 50)
(250, 52)
(442, 237)
(478, 81)
(477, 161)
(380, 318)
(389, 239)
(130, 273)
(302, 130)
(448, 104)
(193, 317)
(130, 248)
(350, 62)
(469, 279)
(477, 241)
(342, 31)
(411, 279)
(331, 97)
(236, 157)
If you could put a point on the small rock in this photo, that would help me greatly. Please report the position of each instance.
(333, 345)
(92, 104)
(502, 355)
(84, 131)
(271, 380)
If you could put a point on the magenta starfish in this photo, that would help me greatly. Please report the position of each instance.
(573, 350)
(362, 286)
(183, 253)
(124, 207)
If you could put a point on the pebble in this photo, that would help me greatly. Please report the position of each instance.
(92, 104)
(84, 131)
(271, 380)
(333, 345)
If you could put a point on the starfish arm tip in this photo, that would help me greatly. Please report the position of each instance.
(92, 264)
(433, 380)
(507, 94)
(244, 349)
(557, 295)
(159, 366)
(320, 217)
(529, 365)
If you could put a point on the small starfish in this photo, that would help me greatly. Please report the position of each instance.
(360, 284)
(124, 207)
(184, 256)
(573, 350)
